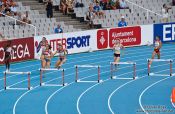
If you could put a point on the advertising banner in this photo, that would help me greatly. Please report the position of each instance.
(23, 49)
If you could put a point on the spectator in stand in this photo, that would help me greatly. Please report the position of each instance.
(10, 2)
(123, 4)
(63, 6)
(49, 9)
(91, 5)
(112, 4)
(165, 13)
(103, 4)
(122, 23)
(7, 10)
(1, 37)
(69, 6)
(90, 16)
(1, 2)
(78, 4)
(24, 18)
(58, 29)
(13, 9)
(98, 11)
(2, 9)
(117, 4)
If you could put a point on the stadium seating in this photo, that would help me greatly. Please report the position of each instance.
(136, 14)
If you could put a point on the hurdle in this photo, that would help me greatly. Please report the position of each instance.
(51, 69)
(87, 66)
(170, 61)
(123, 63)
(20, 73)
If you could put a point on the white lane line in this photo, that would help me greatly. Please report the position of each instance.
(140, 97)
(57, 78)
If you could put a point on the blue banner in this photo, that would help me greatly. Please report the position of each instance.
(166, 31)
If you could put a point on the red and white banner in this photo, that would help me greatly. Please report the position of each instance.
(128, 36)
(23, 49)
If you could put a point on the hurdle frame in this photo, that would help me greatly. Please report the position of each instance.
(52, 69)
(5, 80)
(160, 60)
(119, 63)
(87, 66)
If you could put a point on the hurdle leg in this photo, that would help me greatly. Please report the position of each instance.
(134, 71)
(148, 68)
(40, 77)
(111, 71)
(170, 68)
(98, 74)
(5, 81)
(63, 78)
(76, 77)
(28, 81)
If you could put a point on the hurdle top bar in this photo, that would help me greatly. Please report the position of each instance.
(51, 69)
(161, 60)
(87, 66)
(118, 63)
(17, 72)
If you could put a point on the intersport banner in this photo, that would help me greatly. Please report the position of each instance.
(23, 49)
(75, 42)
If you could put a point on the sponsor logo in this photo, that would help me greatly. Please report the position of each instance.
(23, 49)
(102, 39)
(69, 43)
(165, 31)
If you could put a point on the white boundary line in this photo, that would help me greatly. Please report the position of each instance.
(140, 97)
